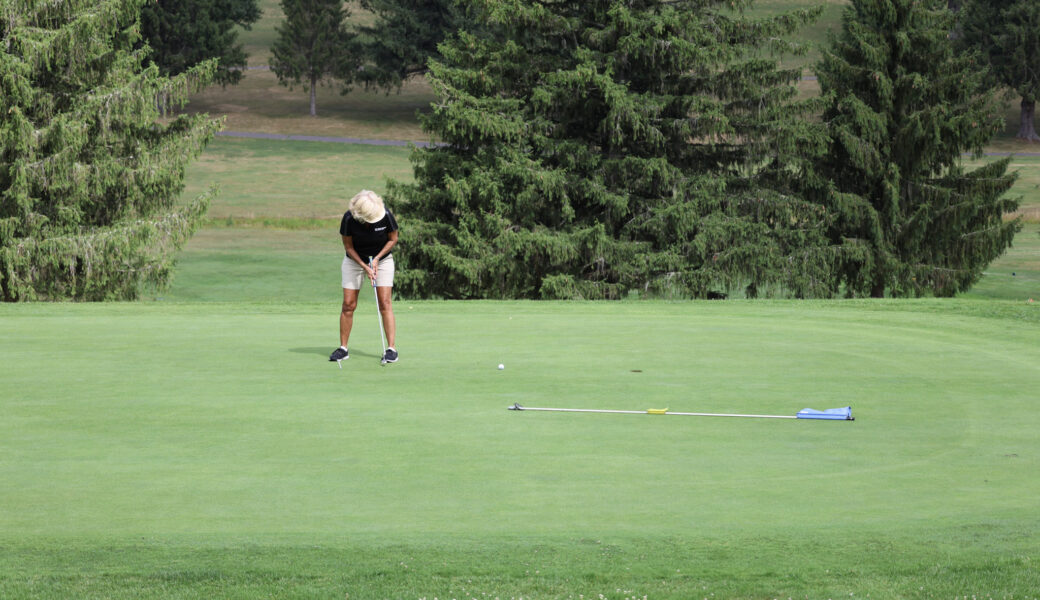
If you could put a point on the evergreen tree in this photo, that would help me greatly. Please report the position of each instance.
(596, 147)
(183, 33)
(403, 37)
(903, 107)
(89, 180)
(1007, 33)
(313, 46)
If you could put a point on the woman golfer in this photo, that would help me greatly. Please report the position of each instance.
(369, 232)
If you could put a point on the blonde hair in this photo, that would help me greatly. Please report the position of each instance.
(367, 206)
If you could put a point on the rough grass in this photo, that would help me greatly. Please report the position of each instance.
(260, 104)
(947, 564)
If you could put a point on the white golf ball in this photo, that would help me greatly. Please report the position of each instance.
(501, 366)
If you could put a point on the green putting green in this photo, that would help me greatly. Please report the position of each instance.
(168, 433)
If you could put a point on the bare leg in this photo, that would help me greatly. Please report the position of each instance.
(386, 309)
(346, 315)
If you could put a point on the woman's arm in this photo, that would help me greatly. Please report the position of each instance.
(390, 243)
(348, 245)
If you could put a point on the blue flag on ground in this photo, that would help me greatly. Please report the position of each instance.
(835, 414)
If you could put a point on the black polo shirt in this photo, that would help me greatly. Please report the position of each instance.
(368, 238)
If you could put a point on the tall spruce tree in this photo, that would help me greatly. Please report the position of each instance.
(89, 179)
(596, 147)
(903, 107)
(183, 33)
(402, 38)
(1007, 33)
(313, 46)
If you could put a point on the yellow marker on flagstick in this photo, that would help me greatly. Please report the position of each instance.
(656, 411)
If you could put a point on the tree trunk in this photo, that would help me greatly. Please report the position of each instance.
(1027, 130)
(314, 95)
(878, 289)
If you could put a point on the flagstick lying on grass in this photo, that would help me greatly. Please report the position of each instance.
(831, 414)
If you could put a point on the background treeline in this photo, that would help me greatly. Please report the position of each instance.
(594, 148)
(403, 35)
(588, 149)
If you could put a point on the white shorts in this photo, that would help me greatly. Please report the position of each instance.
(354, 275)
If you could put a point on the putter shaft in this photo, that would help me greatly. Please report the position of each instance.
(379, 315)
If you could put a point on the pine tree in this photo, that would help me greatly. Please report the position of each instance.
(89, 178)
(1007, 33)
(403, 37)
(313, 46)
(183, 33)
(597, 147)
(903, 108)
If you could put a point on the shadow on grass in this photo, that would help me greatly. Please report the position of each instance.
(322, 351)
(325, 351)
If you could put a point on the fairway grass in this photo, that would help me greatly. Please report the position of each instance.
(262, 264)
(1016, 275)
(288, 179)
(270, 185)
(211, 450)
(259, 265)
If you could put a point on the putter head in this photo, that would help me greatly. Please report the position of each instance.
(516, 406)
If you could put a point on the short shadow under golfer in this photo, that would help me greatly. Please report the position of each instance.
(322, 351)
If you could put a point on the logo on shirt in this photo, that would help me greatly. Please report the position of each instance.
(380, 228)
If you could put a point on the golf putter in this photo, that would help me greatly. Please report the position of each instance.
(379, 313)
